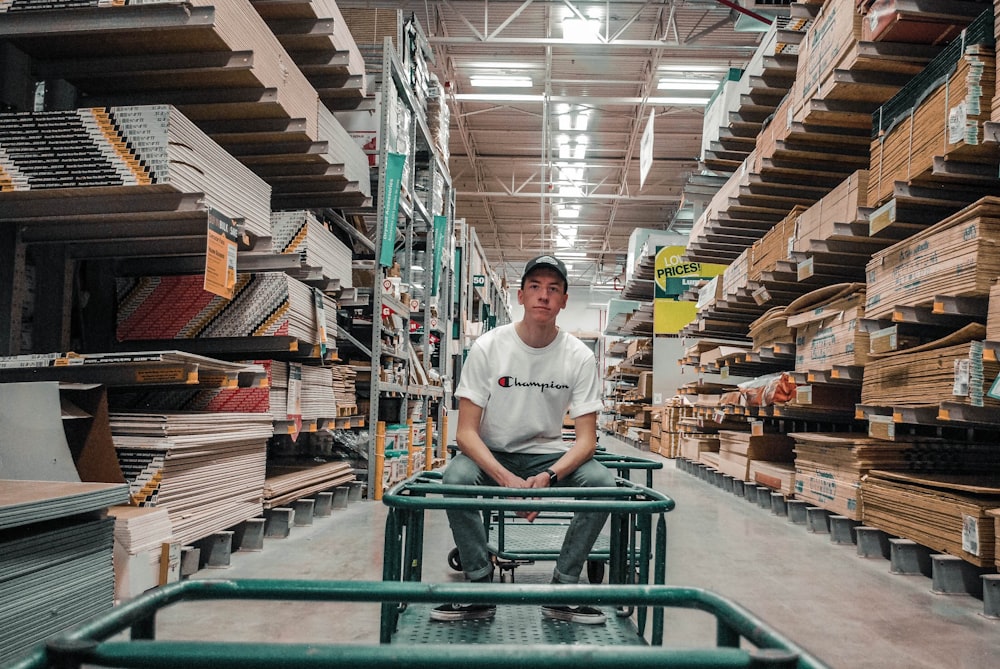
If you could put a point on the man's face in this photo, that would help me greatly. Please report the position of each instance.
(543, 295)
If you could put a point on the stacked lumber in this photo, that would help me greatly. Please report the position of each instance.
(957, 257)
(738, 449)
(287, 483)
(828, 331)
(55, 558)
(778, 476)
(946, 513)
(139, 537)
(736, 276)
(151, 149)
(771, 330)
(671, 428)
(318, 400)
(301, 232)
(993, 314)
(946, 120)
(694, 444)
(344, 390)
(914, 22)
(206, 470)
(269, 304)
(773, 246)
(952, 369)
(840, 206)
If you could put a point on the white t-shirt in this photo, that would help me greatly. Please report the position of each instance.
(525, 391)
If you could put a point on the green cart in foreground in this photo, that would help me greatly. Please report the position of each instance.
(558, 646)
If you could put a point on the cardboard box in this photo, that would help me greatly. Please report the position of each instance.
(645, 385)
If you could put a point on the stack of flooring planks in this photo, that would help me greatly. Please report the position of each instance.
(301, 232)
(56, 567)
(151, 149)
(205, 469)
(946, 513)
(771, 330)
(263, 305)
(738, 450)
(957, 257)
(952, 369)
(993, 314)
(286, 483)
(140, 534)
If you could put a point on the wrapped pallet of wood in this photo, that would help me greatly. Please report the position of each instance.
(952, 369)
(939, 114)
(946, 513)
(828, 330)
(957, 257)
(738, 449)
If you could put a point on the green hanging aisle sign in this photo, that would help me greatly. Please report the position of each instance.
(440, 228)
(391, 189)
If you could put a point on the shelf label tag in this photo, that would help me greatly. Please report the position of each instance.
(293, 408)
(320, 319)
(220, 255)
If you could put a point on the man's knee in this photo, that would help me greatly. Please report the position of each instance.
(461, 471)
(596, 475)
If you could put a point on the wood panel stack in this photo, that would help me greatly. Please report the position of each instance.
(773, 246)
(287, 483)
(738, 450)
(771, 331)
(946, 513)
(264, 305)
(206, 470)
(957, 257)
(917, 22)
(950, 370)
(830, 218)
(324, 257)
(828, 331)
(55, 558)
(993, 314)
(140, 563)
(140, 151)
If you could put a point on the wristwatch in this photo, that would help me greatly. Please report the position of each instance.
(553, 477)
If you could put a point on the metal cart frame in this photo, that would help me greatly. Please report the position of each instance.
(88, 643)
(515, 542)
(634, 544)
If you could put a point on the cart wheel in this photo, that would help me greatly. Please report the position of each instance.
(506, 576)
(595, 571)
(454, 561)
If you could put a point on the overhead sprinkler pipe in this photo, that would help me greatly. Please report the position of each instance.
(743, 10)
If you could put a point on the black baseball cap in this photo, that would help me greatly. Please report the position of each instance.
(550, 262)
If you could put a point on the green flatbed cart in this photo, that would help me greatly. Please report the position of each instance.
(742, 641)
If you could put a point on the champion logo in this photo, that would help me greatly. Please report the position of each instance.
(514, 382)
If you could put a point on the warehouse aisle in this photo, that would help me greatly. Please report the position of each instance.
(847, 610)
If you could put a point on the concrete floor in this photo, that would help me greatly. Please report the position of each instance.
(847, 610)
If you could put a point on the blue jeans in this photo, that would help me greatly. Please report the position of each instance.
(470, 534)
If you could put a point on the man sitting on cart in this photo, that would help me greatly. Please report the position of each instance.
(517, 384)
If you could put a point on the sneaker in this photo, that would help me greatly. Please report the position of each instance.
(585, 615)
(452, 612)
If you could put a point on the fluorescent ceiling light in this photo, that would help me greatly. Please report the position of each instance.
(693, 67)
(677, 84)
(501, 82)
(572, 254)
(580, 30)
(499, 65)
(678, 101)
(568, 212)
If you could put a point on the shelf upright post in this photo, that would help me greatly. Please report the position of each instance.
(12, 289)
